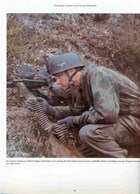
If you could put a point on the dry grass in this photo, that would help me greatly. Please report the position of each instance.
(114, 45)
(125, 48)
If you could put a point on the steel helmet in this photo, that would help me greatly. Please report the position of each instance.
(64, 62)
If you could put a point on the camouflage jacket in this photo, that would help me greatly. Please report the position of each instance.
(103, 95)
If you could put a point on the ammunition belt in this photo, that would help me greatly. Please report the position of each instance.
(60, 131)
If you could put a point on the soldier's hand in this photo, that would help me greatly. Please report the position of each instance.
(31, 103)
(44, 104)
(49, 79)
(68, 121)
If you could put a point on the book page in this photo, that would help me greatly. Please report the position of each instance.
(25, 167)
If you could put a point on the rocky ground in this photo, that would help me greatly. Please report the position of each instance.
(112, 40)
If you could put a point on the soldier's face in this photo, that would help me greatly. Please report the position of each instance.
(62, 78)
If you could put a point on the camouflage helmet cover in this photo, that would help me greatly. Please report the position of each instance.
(64, 62)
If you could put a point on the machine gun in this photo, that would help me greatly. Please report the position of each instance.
(28, 82)
(36, 79)
(26, 74)
(58, 137)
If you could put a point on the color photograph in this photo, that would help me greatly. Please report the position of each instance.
(73, 85)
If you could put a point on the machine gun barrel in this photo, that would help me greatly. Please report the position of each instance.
(28, 82)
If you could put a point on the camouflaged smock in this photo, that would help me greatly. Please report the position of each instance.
(103, 95)
(107, 93)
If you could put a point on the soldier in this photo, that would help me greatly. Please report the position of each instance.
(56, 95)
(107, 108)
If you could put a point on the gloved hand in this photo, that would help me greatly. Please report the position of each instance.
(30, 104)
(43, 103)
(49, 80)
(68, 121)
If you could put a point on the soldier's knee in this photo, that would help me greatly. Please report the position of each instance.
(82, 133)
(85, 132)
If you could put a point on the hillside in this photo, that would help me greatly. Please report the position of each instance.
(111, 40)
